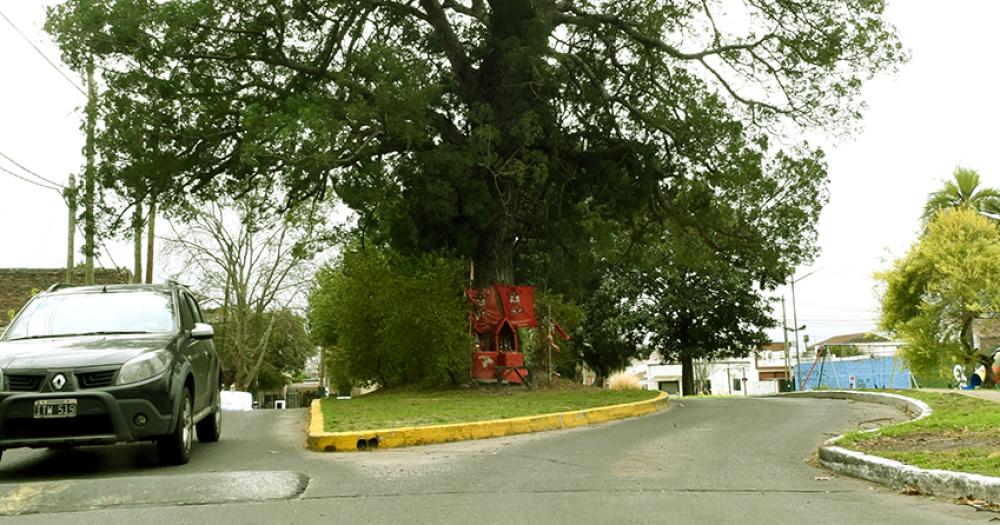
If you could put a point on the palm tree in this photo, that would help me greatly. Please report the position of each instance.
(964, 192)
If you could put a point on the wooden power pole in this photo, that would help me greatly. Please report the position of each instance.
(89, 226)
(137, 242)
(149, 239)
(70, 195)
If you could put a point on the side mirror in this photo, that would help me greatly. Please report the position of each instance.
(202, 331)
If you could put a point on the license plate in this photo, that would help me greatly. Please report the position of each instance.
(54, 408)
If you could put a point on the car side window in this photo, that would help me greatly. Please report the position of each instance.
(187, 319)
(195, 309)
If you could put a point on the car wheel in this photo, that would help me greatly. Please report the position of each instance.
(210, 428)
(175, 447)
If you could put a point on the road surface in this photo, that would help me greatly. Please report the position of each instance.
(701, 461)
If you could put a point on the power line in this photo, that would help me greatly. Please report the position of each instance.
(104, 246)
(14, 162)
(29, 181)
(39, 51)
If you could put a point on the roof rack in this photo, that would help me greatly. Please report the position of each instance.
(58, 286)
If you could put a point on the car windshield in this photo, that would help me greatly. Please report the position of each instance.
(117, 312)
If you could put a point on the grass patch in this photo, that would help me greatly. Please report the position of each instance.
(419, 408)
(962, 433)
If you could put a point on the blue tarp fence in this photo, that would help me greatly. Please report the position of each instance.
(868, 372)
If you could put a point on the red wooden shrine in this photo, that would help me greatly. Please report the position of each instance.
(495, 315)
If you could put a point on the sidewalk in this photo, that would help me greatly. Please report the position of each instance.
(989, 395)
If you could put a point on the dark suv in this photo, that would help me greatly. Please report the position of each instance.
(110, 364)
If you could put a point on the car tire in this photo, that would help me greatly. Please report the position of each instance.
(210, 428)
(175, 447)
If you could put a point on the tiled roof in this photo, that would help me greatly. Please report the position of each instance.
(851, 339)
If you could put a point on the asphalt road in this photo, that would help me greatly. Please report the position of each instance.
(701, 461)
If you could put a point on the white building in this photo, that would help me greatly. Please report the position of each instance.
(756, 374)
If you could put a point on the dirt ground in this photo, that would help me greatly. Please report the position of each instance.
(930, 442)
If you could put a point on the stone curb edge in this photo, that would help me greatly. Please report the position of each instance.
(889, 472)
(322, 441)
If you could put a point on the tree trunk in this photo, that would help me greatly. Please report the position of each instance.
(990, 380)
(495, 257)
(687, 374)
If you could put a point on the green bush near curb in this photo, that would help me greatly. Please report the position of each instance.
(961, 434)
(393, 409)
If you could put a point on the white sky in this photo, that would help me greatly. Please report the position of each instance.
(939, 111)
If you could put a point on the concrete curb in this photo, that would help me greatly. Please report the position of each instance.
(893, 473)
(322, 441)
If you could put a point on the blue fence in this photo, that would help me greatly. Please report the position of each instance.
(869, 372)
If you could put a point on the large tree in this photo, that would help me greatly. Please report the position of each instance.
(251, 267)
(686, 303)
(486, 128)
(949, 278)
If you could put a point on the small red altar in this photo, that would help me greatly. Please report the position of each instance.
(496, 313)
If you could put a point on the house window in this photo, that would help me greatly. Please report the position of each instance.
(737, 384)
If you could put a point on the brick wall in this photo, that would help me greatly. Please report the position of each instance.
(17, 284)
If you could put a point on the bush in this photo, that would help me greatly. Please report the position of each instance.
(623, 381)
(395, 320)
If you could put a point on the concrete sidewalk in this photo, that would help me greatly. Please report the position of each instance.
(989, 395)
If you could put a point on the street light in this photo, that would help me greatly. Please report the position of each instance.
(795, 320)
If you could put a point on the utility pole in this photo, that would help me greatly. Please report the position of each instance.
(805, 342)
(784, 333)
(70, 195)
(795, 319)
(137, 244)
(149, 238)
(89, 227)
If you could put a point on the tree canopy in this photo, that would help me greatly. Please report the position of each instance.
(963, 192)
(950, 277)
(474, 127)
(548, 141)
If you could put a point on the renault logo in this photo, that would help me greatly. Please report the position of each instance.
(58, 381)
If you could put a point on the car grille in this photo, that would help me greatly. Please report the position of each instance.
(96, 379)
(24, 382)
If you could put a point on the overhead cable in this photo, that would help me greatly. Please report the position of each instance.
(56, 189)
(14, 162)
(39, 51)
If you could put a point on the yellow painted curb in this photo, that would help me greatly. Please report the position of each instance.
(408, 436)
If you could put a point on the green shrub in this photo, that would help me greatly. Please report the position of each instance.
(395, 320)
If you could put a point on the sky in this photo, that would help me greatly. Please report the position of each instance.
(938, 111)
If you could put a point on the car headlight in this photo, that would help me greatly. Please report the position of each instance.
(145, 366)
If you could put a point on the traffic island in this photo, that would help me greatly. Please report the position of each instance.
(938, 419)
(322, 440)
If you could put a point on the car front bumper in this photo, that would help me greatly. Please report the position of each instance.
(104, 416)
